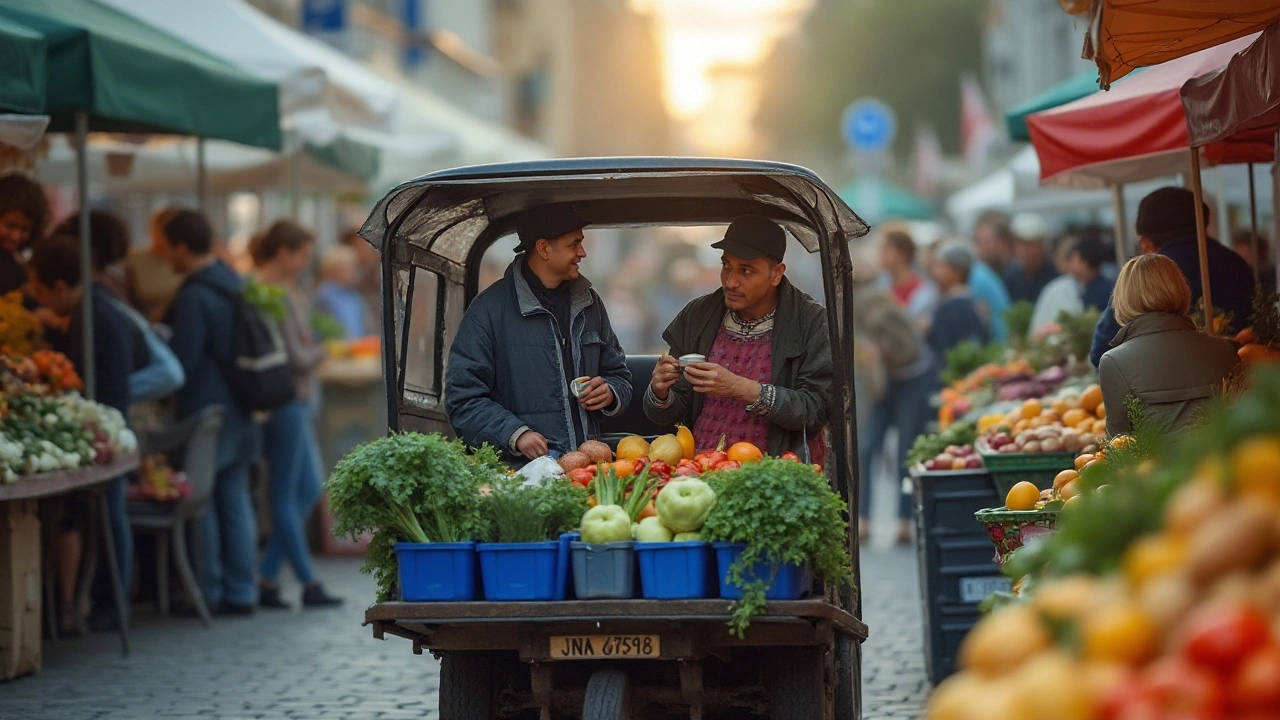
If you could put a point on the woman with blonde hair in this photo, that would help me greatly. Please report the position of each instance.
(1159, 357)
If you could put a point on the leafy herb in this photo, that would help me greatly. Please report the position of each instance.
(785, 513)
(268, 298)
(1266, 318)
(1017, 317)
(405, 487)
(927, 447)
(327, 326)
(513, 512)
(968, 356)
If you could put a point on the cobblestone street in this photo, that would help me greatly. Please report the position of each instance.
(322, 664)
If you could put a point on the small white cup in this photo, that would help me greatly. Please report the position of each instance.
(579, 385)
(692, 359)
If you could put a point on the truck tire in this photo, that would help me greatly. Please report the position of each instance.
(608, 697)
(848, 678)
(466, 686)
(794, 683)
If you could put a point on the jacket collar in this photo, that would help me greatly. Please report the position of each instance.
(1150, 324)
(579, 290)
(787, 320)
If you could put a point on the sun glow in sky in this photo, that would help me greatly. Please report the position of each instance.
(698, 36)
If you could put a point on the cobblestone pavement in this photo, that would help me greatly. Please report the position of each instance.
(322, 664)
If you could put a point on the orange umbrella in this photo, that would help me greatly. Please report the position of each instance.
(1128, 34)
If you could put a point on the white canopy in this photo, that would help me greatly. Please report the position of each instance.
(22, 131)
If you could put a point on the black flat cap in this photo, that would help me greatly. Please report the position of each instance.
(754, 236)
(547, 223)
(1168, 211)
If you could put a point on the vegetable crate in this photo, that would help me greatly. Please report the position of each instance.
(1012, 529)
(1009, 469)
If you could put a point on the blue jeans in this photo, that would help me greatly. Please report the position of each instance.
(229, 528)
(121, 531)
(293, 457)
(905, 405)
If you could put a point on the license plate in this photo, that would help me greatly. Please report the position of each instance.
(582, 647)
(977, 589)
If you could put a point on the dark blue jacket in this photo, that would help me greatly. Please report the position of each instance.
(505, 370)
(203, 322)
(955, 320)
(1230, 279)
(1024, 286)
(116, 350)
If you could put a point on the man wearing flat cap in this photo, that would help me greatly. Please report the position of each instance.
(524, 341)
(764, 375)
(1166, 224)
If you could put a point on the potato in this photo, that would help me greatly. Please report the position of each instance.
(1032, 446)
(1237, 537)
(1051, 444)
(1071, 441)
(1191, 505)
(1088, 439)
(1167, 600)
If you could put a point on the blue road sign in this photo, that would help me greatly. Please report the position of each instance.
(868, 125)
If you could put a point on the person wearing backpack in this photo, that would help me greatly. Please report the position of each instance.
(206, 320)
(282, 254)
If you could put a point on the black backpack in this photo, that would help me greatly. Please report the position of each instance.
(259, 373)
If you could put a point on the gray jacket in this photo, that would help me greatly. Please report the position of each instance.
(505, 371)
(1168, 365)
(801, 365)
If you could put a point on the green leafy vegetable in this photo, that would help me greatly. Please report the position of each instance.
(515, 513)
(406, 487)
(265, 296)
(968, 356)
(1018, 319)
(327, 326)
(785, 513)
(927, 447)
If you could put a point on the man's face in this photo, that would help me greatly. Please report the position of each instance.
(749, 284)
(15, 228)
(945, 276)
(990, 247)
(56, 297)
(1030, 254)
(562, 255)
(890, 259)
(179, 258)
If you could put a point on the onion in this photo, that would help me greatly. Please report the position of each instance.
(571, 461)
(596, 451)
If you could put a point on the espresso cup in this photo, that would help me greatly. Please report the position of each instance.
(579, 385)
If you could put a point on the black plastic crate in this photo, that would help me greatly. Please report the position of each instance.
(957, 562)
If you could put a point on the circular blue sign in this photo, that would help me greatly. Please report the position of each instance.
(868, 125)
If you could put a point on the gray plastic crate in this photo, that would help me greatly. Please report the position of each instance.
(604, 571)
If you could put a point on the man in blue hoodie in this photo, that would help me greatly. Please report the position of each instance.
(1166, 225)
(204, 321)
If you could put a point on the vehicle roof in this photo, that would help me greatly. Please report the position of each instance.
(448, 212)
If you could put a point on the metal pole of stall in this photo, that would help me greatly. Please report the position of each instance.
(86, 252)
(1202, 240)
(201, 200)
(1253, 227)
(1121, 224)
(295, 183)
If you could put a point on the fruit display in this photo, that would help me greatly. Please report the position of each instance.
(1070, 422)
(954, 457)
(157, 482)
(1158, 597)
(41, 432)
(932, 446)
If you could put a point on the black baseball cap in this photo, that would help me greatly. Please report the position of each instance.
(1168, 211)
(547, 223)
(754, 236)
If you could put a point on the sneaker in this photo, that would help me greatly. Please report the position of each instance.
(314, 595)
(269, 598)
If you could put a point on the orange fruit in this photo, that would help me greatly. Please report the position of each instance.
(685, 436)
(633, 447)
(1121, 441)
(1070, 490)
(1059, 406)
(624, 468)
(1073, 418)
(1030, 409)
(1051, 416)
(1120, 632)
(1101, 412)
(1091, 398)
(1064, 477)
(1255, 463)
(1022, 496)
(1152, 556)
(1083, 460)
(745, 452)
(1099, 427)
(1021, 425)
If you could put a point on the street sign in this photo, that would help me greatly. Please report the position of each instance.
(324, 16)
(868, 125)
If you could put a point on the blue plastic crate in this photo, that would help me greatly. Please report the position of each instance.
(675, 570)
(520, 571)
(791, 583)
(436, 572)
(564, 565)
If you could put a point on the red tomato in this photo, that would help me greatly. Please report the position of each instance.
(712, 459)
(1220, 638)
(582, 476)
(788, 455)
(727, 465)
(1182, 690)
(660, 469)
(1257, 682)
(688, 468)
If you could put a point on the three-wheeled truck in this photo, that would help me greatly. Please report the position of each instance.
(612, 659)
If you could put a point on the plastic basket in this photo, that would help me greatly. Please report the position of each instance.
(1012, 529)
(436, 572)
(791, 582)
(1009, 469)
(604, 570)
(519, 571)
(675, 570)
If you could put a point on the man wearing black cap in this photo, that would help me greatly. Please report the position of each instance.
(524, 341)
(764, 371)
(1166, 225)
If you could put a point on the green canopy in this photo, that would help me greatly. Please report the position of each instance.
(126, 75)
(1086, 83)
(878, 200)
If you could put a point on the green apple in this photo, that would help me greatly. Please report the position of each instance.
(606, 524)
(688, 537)
(651, 529)
(683, 506)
